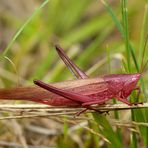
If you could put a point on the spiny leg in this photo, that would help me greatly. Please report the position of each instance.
(89, 108)
(80, 112)
(87, 105)
(71, 65)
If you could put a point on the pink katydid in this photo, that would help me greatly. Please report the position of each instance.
(81, 92)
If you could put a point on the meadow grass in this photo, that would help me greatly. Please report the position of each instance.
(86, 29)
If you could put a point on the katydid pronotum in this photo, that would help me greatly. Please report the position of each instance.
(82, 92)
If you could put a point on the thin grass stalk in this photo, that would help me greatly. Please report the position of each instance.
(142, 43)
(133, 141)
(126, 32)
(120, 28)
(142, 36)
(42, 107)
(22, 28)
(141, 49)
(126, 40)
(113, 16)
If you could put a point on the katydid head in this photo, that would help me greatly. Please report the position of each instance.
(122, 85)
(130, 84)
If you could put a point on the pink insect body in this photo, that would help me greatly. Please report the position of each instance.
(81, 92)
(121, 85)
(98, 92)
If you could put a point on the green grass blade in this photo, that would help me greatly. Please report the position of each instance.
(130, 49)
(23, 26)
(121, 30)
(107, 130)
(126, 40)
(126, 33)
(142, 42)
(114, 17)
(144, 31)
(116, 113)
(84, 31)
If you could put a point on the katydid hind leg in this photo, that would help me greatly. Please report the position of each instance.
(70, 64)
(96, 110)
(80, 99)
(90, 108)
(66, 94)
(80, 112)
(100, 102)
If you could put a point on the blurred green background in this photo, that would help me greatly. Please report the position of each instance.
(85, 30)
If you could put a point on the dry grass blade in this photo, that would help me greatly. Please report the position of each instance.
(39, 110)
(85, 126)
(128, 124)
(41, 107)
